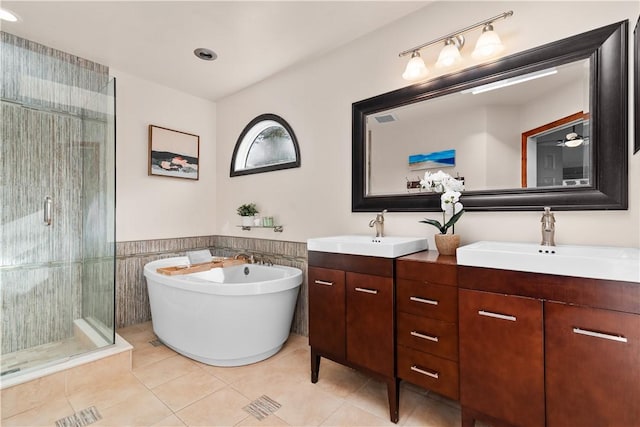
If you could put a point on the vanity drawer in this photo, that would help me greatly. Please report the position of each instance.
(428, 335)
(428, 371)
(436, 272)
(426, 299)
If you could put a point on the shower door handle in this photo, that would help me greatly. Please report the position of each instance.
(48, 203)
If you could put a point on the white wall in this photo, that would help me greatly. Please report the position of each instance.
(394, 142)
(504, 160)
(315, 98)
(152, 207)
(549, 107)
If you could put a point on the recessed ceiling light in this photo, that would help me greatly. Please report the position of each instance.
(7, 15)
(205, 54)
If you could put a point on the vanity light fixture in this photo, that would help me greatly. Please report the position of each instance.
(415, 68)
(488, 44)
(7, 15)
(450, 53)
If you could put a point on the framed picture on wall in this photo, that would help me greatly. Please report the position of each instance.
(173, 154)
(636, 84)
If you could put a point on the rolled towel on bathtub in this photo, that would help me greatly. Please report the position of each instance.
(199, 257)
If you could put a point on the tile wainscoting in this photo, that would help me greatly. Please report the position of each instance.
(132, 299)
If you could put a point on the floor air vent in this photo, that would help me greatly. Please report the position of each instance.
(262, 407)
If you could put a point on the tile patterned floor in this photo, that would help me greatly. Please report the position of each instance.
(167, 389)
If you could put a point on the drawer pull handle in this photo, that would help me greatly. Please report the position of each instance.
(424, 301)
(322, 282)
(423, 372)
(589, 333)
(367, 291)
(424, 337)
(497, 315)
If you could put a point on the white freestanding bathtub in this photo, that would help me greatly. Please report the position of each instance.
(228, 316)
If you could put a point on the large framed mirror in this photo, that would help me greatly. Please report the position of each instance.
(544, 127)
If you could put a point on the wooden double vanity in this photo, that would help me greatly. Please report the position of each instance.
(515, 348)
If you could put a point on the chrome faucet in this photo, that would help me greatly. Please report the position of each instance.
(378, 223)
(249, 258)
(548, 227)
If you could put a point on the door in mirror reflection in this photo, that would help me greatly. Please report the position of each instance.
(557, 154)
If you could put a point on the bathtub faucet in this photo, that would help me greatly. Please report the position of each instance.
(378, 223)
(247, 257)
(261, 259)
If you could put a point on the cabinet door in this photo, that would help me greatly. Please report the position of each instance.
(501, 357)
(370, 322)
(327, 311)
(592, 367)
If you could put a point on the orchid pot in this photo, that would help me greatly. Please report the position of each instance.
(447, 243)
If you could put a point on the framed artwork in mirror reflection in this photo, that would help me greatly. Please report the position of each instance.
(173, 153)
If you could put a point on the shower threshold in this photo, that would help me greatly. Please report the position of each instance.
(85, 346)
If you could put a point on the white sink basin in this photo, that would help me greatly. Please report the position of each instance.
(597, 262)
(386, 247)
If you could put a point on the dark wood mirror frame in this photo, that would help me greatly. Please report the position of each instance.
(606, 47)
(636, 84)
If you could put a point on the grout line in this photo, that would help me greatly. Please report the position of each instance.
(344, 402)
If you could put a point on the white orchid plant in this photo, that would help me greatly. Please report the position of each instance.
(441, 182)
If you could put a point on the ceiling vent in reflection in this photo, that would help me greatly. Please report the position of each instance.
(386, 118)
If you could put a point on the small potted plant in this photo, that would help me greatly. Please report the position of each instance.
(450, 188)
(247, 211)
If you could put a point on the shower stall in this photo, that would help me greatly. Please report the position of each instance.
(57, 186)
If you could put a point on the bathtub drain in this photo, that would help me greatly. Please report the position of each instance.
(246, 271)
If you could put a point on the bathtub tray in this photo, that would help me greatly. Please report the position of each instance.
(196, 268)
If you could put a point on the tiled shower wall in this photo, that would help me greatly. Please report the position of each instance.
(132, 299)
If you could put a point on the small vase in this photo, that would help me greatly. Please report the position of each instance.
(447, 243)
(247, 221)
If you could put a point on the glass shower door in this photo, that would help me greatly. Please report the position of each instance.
(48, 120)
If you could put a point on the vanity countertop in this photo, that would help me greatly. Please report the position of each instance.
(430, 256)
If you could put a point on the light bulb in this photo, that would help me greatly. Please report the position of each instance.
(415, 68)
(449, 55)
(489, 44)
